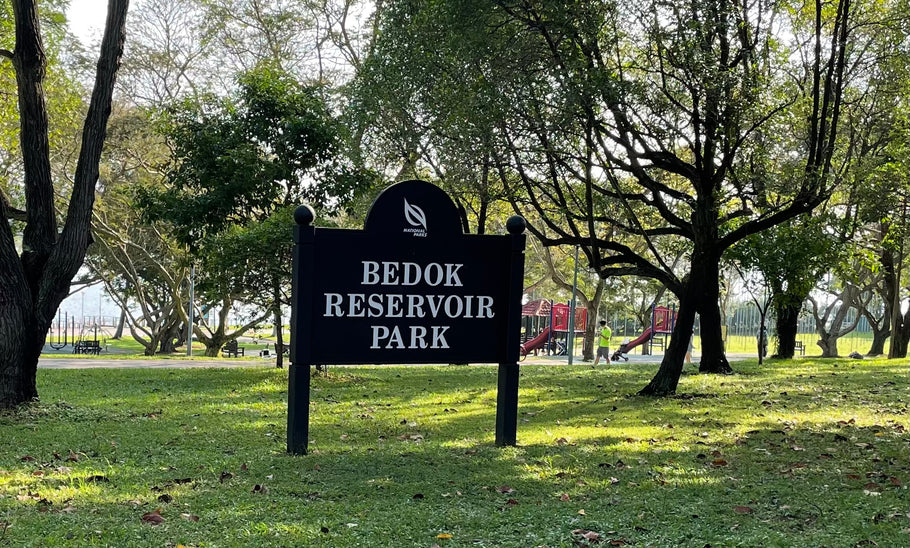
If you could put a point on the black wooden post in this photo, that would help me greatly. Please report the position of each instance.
(507, 390)
(298, 434)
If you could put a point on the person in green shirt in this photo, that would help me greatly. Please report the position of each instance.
(603, 345)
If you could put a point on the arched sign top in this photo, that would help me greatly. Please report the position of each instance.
(414, 208)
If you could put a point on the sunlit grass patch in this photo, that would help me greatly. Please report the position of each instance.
(790, 453)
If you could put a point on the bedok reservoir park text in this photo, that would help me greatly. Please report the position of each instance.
(408, 305)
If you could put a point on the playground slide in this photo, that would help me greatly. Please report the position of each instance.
(536, 342)
(641, 339)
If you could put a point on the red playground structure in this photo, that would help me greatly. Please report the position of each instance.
(663, 319)
(550, 322)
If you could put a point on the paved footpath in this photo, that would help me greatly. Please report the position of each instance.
(62, 359)
(114, 363)
(58, 361)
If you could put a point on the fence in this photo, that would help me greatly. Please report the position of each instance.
(66, 330)
(742, 328)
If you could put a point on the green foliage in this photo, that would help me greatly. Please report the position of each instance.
(239, 258)
(791, 257)
(236, 160)
(793, 453)
(66, 100)
(240, 165)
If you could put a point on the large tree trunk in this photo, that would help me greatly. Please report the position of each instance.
(587, 347)
(786, 312)
(591, 333)
(168, 344)
(19, 340)
(713, 354)
(33, 286)
(700, 294)
(828, 336)
(667, 378)
(900, 324)
(900, 337)
(828, 344)
(118, 334)
(880, 333)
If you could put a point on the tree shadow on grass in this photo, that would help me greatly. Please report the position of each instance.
(397, 460)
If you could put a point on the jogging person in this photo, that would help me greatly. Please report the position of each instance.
(603, 345)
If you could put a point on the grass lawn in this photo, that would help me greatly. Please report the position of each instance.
(795, 453)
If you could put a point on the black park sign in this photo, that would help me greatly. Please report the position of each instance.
(410, 288)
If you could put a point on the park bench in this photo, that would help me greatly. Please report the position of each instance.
(658, 343)
(87, 347)
(232, 349)
(800, 347)
(266, 353)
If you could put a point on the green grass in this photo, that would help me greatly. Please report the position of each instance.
(795, 453)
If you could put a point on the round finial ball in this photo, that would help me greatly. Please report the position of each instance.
(516, 224)
(304, 215)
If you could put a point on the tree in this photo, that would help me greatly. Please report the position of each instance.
(170, 55)
(240, 165)
(791, 258)
(34, 281)
(628, 129)
(832, 317)
(144, 270)
(65, 105)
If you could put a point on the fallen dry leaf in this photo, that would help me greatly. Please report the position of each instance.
(153, 518)
(190, 517)
(592, 537)
(743, 509)
(564, 497)
(505, 489)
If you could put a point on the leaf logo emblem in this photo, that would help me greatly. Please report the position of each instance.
(414, 215)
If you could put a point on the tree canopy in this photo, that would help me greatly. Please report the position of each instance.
(633, 130)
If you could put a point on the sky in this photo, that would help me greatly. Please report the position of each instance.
(86, 18)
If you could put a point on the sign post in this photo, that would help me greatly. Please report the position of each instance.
(410, 287)
(301, 326)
